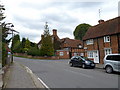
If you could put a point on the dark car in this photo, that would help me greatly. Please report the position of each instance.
(82, 62)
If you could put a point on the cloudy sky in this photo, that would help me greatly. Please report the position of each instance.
(29, 16)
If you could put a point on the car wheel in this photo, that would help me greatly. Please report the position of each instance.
(109, 69)
(83, 66)
(71, 64)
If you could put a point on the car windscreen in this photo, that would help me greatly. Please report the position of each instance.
(84, 58)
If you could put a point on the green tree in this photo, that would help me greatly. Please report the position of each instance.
(80, 31)
(15, 43)
(33, 44)
(3, 53)
(1, 12)
(23, 42)
(47, 45)
(27, 45)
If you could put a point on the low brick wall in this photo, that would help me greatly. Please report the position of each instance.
(37, 57)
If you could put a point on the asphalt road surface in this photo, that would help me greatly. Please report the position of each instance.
(58, 74)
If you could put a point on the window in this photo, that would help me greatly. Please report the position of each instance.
(75, 54)
(113, 57)
(90, 54)
(108, 51)
(81, 54)
(61, 53)
(107, 39)
(90, 41)
(67, 53)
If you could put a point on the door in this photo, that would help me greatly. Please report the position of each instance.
(96, 56)
(77, 61)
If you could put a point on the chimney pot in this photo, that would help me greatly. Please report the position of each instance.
(101, 21)
(54, 32)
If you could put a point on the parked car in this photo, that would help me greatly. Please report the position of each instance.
(82, 62)
(112, 63)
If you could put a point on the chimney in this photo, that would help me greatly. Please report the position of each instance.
(101, 21)
(54, 32)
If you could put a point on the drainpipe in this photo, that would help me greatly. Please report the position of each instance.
(118, 43)
(98, 50)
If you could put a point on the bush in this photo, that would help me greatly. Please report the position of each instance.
(34, 51)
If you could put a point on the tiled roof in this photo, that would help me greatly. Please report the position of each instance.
(109, 27)
(66, 42)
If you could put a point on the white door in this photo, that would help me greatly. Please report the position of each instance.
(96, 56)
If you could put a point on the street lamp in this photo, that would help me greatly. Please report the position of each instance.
(10, 26)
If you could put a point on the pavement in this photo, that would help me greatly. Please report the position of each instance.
(99, 66)
(19, 76)
(1, 81)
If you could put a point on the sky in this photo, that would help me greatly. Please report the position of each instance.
(29, 16)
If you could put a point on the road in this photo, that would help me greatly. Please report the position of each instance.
(58, 74)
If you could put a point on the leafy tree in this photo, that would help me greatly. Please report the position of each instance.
(23, 42)
(80, 31)
(34, 51)
(3, 36)
(15, 43)
(27, 46)
(17, 47)
(1, 12)
(33, 44)
(47, 45)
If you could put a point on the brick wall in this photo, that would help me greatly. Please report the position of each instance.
(65, 54)
(100, 46)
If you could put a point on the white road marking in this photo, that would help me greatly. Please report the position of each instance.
(43, 83)
(30, 71)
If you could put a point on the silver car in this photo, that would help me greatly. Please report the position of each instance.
(112, 63)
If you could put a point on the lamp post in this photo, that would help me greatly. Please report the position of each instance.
(10, 26)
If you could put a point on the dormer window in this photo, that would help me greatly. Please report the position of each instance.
(90, 41)
(106, 38)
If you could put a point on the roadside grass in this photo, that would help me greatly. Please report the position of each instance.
(23, 56)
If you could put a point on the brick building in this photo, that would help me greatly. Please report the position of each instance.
(69, 48)
(102, 39)
(65, 48)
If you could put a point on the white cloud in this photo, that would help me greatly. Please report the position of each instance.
(29, 16)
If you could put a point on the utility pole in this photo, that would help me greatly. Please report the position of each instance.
(99, 14)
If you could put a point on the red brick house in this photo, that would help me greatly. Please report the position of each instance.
(69, 48)
(102, 39)
(65, 48)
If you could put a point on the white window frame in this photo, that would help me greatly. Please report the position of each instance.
(81, 54)
(90, 41)
(106, 38)
(75, 54)
(107, 51)
(61, 53)
(67, 53)
(90, 54)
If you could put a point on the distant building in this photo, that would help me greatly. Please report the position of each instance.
(102, 39)
(69, 48)
(65, 48)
